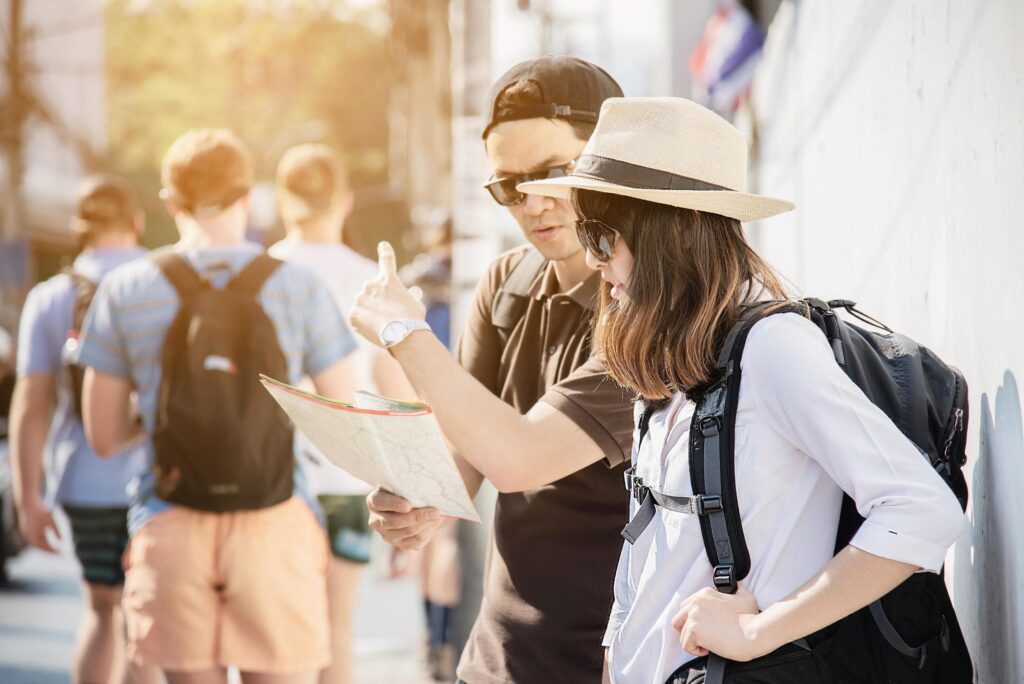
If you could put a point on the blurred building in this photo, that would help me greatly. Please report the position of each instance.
(896, 129)
(53, 120)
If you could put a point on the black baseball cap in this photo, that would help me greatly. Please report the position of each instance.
(572, 89)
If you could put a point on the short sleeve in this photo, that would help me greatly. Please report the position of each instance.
(102, 344)
(478, 346)
(327, 339)
(42, 332)
(804, 396)
(599, 406)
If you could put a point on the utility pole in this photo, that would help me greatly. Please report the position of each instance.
(14, 111)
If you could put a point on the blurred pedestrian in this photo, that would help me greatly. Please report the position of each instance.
(107, 228)
(314, 200)
(525, 405)
(227, 563)
(440, 574)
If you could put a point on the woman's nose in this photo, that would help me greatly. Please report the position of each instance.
(595, 263)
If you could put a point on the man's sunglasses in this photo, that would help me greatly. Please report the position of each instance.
(598, 238)
(503, 189)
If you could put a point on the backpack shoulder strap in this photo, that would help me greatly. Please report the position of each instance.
(251, 278)
(178, 271)
(509, 303)
(712, 444)
(85, 290)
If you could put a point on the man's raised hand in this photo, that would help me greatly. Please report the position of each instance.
(383, 299)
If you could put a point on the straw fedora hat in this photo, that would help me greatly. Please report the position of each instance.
(665, 150)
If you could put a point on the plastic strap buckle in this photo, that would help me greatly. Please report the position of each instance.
(634, 484)
(708, 504)
(725, 578)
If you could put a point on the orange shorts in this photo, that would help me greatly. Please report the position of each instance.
(247, 588)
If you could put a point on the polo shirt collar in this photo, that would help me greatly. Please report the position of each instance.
(583, 293)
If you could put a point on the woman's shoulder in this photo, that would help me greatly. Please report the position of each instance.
(783, 342)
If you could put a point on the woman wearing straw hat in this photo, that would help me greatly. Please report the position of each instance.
(660, 193)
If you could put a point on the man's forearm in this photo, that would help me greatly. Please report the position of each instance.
(514, 451)
(469, 414)
(111, 423)
(31, 411)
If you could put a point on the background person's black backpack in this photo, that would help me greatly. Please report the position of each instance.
(220, 441)
(85, 290)
(911, 635)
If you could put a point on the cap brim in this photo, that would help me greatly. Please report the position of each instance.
(741, 206)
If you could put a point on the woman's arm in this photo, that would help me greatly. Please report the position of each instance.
(730, 626)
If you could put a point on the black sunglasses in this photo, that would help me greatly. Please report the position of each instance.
(503, 189)
(598, 238)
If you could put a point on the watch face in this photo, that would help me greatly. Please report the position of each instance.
(392, 332)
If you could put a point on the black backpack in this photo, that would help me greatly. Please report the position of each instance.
(220, 441)
(85, 290)
(911, 635)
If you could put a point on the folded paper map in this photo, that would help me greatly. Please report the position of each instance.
(386, 443)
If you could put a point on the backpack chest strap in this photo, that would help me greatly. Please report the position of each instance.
(649, 499)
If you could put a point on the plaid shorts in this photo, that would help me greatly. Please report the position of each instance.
(100, 536)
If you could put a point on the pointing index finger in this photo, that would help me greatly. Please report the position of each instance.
(386, 261)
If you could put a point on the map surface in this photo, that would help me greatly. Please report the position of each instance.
(403, 452)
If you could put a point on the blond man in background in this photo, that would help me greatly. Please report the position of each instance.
(314, 198)
(213, 581)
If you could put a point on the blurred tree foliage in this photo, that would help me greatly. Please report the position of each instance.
(277, 72)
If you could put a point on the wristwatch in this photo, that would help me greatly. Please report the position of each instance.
(395, 331)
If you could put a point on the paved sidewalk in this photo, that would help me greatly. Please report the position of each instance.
(39, 613)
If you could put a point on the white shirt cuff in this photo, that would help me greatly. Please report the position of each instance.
(609, 634)
(894, 545)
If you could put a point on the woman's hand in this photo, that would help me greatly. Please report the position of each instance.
(383, 299)
(710, 621)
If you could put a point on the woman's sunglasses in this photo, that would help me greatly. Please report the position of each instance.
(598, 238)
(504, 192)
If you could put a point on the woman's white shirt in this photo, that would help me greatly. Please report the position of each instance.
(805, 433)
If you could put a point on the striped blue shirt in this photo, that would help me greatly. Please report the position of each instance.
(75, 474)
(135, 305)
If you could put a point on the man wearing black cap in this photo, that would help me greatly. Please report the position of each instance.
(555, 442)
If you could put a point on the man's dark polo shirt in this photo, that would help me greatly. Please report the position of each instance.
(552, 556)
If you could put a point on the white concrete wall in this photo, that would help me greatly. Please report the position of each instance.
(896, 127)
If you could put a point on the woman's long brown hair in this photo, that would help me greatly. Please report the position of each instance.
(692, 274)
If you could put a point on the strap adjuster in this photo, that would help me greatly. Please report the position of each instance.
(710, 425)
(634, 484)
(708, 504)
(725, 578)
